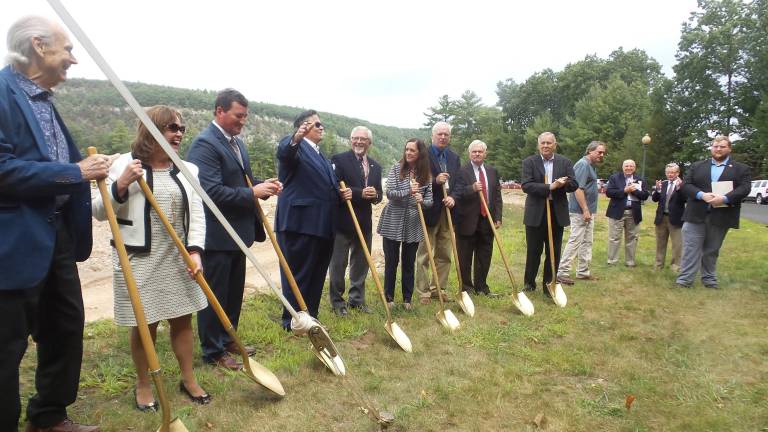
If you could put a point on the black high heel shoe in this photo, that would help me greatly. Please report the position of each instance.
(152, 406)
(204, 399)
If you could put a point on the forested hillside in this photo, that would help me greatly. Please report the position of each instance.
(97, 116)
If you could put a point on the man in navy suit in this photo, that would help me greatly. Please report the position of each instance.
(45, 226)
(709, 213)
(362, 174)
(626, 190)
(669, 217)
(224, 166)
(444, 164)
(546, 176)
(307, 211)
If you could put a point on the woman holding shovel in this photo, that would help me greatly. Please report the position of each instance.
(399, 224)
(167, 292)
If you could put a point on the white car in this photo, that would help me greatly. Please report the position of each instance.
(759, 192)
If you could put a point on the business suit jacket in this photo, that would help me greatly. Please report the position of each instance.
(432, 215)
(676, 205)
(537, 191)
(467, 209)
(698, 179)
(348, 169)
(223, 179)
(618, 202)
(29, 183)
(309, 203)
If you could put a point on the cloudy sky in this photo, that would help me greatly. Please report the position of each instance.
(385, 62)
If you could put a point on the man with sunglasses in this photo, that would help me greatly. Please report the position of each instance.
(224, 173)
(307, 211)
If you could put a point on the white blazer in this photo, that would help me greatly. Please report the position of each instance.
(133, 212)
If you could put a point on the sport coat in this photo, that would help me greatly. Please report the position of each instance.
(29, 183)
(676, 205)
(618, 203)
(467, 209)
(310, 200)
(348, 169)
(537, 191)
(223, 179)
(699, 179)
(432, 214)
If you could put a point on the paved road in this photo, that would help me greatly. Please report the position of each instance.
(752, 211)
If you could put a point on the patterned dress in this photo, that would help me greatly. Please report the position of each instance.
(165, 288)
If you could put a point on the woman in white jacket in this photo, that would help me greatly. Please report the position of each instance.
(166, 289)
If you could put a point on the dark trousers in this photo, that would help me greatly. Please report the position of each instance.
(392, 256)
(478, 246)
(225, 273)
(536, 240)
(308, 258)
(52, 312)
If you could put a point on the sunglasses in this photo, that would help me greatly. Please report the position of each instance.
(317, 124)
(173, 127)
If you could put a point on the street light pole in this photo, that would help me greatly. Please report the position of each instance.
(646, 141)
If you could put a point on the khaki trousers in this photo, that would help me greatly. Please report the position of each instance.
(579, 246)
(665, 230)
(631, 232)
(440, 238)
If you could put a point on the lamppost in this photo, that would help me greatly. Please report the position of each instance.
(646, 141)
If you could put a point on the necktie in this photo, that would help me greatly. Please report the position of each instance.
(236, 149)
(670, 189)
(485, 192)
(363, 170)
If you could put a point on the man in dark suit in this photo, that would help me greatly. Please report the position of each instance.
(546, 176)
(307, 211)
(45, 226)
(444, 164)
(362, 174)
(669, 217)
(473, 232)
(626, 191)
(714, 189)
(224, 166)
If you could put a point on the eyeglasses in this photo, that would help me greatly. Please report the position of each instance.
(173, 127)
(319, 125)
(360, 139)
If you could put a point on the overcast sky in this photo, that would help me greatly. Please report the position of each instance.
(385, 62)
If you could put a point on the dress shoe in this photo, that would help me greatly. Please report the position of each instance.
(66, 425)
(588, 278)
(361, 308)
(487, 293)
(391, 305)
(203, 399)
(565, 280)
(233, 349)
(425, 300)
(529, 288)
(407, 306)
(152, 406)
(227, 362)
(341, 311)
(433, 295)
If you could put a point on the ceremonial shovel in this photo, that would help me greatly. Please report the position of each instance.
(462, 298)
(519, 299)
(252, 369)
(390, 326)
(167, 425)
(554, 288)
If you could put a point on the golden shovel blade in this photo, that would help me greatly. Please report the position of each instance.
(175, 426)
(326, 351)
(334, 363)
(263, 376)
(560, 298)
(466, 303)
(523, 304)
(448, 319)
(399, 336)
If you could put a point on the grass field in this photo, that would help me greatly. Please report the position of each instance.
(694, 359)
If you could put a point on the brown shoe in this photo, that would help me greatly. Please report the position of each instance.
(565, 280)
(425, 300)
(588, 278)
(66, 425)
(228, 362)
(233, 349)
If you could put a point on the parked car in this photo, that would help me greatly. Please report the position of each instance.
(759, 192)
(601, 185)
(510, 184)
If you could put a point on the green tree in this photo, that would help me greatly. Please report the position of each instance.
(443, 111)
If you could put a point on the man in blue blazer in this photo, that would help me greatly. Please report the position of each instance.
(45, 226)
(669, 217)
(362, 174)
(307, 211)
(224, 167)
(626, 190)
(445, 165)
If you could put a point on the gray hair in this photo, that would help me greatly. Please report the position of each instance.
(673, 166)
(362, 128)
(477, 143)
(543, 134)
(20, 35)
(593, 146)
(439, 125)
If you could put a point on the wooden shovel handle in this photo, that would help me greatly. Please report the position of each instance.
(498, 239)
(453, 241)
(429, 255)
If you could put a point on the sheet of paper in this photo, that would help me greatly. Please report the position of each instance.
(722, 188)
